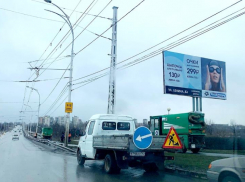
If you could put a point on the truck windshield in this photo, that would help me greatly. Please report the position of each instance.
(123, 126)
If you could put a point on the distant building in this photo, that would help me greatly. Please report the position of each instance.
(145, 122)
(51, 121)
(41, 121)
(61, 120)
(135, 121)
(47, 121)
(56, 120)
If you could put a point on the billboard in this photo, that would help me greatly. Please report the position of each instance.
(193, 76)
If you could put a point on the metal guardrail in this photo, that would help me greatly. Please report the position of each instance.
(48, 142)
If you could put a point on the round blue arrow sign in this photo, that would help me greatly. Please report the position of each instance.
(142, 138)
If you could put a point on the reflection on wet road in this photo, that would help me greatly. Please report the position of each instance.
(25, 161)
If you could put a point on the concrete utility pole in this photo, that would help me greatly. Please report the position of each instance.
(67, 20)
(112, 79)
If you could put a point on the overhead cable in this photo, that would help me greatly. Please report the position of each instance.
(163, 40)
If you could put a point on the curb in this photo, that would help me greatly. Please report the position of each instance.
(181, 171)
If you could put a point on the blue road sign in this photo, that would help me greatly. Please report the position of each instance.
(142, 138)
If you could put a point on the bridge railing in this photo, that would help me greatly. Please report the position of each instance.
(48, 142)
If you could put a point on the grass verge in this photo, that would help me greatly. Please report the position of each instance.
(191, 162)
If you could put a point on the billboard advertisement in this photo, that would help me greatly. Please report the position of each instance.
(193, 76)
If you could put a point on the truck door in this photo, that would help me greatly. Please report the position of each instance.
(158, 126)
(89, 150)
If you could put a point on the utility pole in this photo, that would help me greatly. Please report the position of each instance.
(112, 79)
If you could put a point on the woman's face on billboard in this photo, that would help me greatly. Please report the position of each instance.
(215, 73)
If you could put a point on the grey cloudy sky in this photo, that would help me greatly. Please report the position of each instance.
(139, 89)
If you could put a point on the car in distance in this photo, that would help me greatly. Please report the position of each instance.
(15, 137)
(227, 170)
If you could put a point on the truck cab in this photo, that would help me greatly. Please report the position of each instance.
(104, 124)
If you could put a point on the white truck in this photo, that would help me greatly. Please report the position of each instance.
(109, 137)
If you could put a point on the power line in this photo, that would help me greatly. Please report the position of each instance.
(109, 27)
(76, 11)
(91, 80)
(162, 41)
(105, 30)
(30, 81)
(79, 34)
(76, 25)
(65, 35)
(13, 102)
(57, 99)
(48, 56)
(59, 31)
(170, 46)
(59, 105)
(56, 84)
(89, 24)
(56, 58)
(42, 55)
(33, 16)
(67, 96)
(182, 40)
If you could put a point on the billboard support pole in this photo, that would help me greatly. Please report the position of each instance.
(193, 104)
(200, 104)
(197, 108)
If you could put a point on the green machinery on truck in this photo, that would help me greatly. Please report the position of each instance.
(189, 126)
(47, 133)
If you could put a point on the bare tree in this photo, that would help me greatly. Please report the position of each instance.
(233, 122)
(209, 126)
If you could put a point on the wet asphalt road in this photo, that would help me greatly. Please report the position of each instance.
(25, 161)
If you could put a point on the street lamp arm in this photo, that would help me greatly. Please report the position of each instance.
(38, 105)
(28, 106)
(66, 20)
(62, 12)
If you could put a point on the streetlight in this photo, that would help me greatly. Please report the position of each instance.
(38, 105)
(31, 115)
(168, 110)
(66, 18)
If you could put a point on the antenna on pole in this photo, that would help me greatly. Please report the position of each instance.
(112, 79)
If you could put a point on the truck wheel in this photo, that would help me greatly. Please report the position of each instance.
(80, 159)
(110, 164)
(195, 150)
(150, 167)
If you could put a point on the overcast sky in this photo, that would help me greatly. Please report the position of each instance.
(139, 89)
